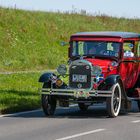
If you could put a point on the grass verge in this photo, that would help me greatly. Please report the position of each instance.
(19, 92)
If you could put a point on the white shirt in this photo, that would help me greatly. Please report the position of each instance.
(128, 54)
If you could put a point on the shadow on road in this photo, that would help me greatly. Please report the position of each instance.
(75, 113)
(98, 112)
(69, 113)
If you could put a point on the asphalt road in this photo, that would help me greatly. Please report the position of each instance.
(71, 124)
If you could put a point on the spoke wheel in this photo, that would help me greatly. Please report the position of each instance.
(114, 102)
(83, 106)
(48, 103)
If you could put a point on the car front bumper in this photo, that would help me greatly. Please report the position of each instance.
(76, 93)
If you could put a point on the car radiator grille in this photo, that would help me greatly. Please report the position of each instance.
(80, 76)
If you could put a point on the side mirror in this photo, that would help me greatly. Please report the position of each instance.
(64, 43)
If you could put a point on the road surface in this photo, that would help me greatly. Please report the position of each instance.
(71, 124)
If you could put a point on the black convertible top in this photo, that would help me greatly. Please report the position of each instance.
(109, 34)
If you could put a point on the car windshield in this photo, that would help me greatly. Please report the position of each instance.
(95, 48)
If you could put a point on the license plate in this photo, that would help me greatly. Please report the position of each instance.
(79, 78)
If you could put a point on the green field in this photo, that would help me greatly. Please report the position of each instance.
(19, 92)
(30, 41)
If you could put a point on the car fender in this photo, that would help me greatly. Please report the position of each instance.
(45, 77)
(113, 79)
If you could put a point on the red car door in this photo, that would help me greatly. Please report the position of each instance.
(137, 61)
(128, 65)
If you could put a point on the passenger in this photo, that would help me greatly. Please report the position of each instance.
(128, 54)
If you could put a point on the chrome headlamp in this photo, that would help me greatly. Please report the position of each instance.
(96, 71)
(62, 69)
(59, 82)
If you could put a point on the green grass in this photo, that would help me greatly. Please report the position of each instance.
(18, 92)
(30, 40)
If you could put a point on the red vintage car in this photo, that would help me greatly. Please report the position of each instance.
(102, 67)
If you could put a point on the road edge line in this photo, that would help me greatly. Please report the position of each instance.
(32, 111)
(20, 113)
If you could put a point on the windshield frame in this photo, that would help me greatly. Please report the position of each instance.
(96, 55)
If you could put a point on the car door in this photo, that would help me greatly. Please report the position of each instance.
(137, 61)
(127, 66)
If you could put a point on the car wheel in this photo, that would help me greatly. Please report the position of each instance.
(83, 106)
(48, 103)
(114, 102)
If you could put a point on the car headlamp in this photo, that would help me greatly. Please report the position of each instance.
(96, 70)
(59, 82)
(62, 69)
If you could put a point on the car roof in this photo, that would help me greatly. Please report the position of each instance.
(109, 34)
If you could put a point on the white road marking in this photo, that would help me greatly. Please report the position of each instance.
(20, 113)
(81, 134)
(137, 121)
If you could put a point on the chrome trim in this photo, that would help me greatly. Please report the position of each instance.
(76, 92)
(83, 62)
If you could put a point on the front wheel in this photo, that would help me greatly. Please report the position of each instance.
(48, 104)
(114, 102)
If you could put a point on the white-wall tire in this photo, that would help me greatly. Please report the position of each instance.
(114, 102)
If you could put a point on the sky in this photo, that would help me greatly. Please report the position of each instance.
(117, 8)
